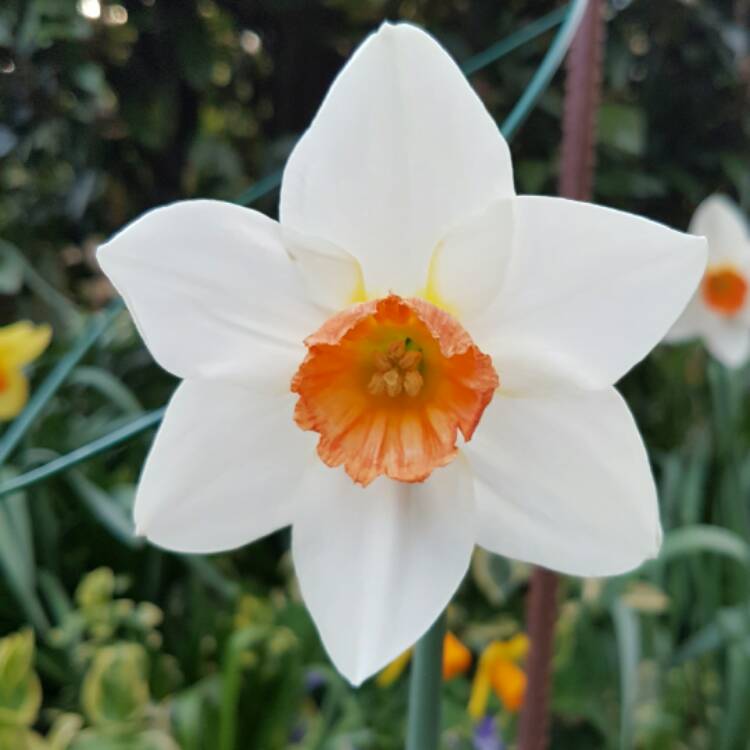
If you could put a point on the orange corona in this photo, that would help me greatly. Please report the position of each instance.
(388, 384)
(724, 290)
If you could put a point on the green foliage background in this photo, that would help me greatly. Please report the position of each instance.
(164, 99)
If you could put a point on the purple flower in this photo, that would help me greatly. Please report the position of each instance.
(487, 735)
(314, 680)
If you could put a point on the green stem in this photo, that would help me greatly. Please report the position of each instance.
(546, 70)
(423, 730)
(260, 189)
(526, 34)
(111, 440)
(231, 672)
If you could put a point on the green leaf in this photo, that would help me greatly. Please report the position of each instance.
(109, 386)
(17, 557)
(232, 667)
(115, 689)
(105, 509)
(11, 268)
(627, 630)
(16, 260)
(20, 689)
(731, 624)
(735, 720)
(55, 594)
(702, 538)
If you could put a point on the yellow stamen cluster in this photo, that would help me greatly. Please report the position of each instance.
(396, 371)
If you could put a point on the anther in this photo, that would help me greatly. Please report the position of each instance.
(376, 385)
(413, 383)
(382, 363)
(396, 371)
(410, 360)
(393, 382)
(396, 350)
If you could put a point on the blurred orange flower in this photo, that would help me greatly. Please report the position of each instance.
(500, 672)
(456, 660)
(456, 657)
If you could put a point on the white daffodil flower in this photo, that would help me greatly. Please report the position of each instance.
(719, 312)
(406, 295)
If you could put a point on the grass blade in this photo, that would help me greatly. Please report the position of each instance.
(627, 630)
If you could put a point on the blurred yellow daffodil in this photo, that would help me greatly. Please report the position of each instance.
(456, 660)
(394, 670)
(20, 344)
(498, 670)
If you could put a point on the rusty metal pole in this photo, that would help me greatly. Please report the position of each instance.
(582, 95)
(541, 612)
(583, 85)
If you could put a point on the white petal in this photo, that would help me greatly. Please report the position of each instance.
(333, 277)
(468, 266)
(223, 469)
(401, 151)
(691, 323)
(377, 566)
(211, 289)
(565, 482)
(598, 288)
(721, 222)
(727, 340)
(526, 368)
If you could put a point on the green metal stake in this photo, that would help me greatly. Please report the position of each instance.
(423, 730)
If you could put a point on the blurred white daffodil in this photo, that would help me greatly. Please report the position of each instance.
(719, 312)
(406, 295)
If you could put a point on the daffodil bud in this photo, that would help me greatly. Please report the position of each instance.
(20, 691)
(115, 690)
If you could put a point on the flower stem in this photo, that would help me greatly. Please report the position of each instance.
(582, 95)
(423, 729)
